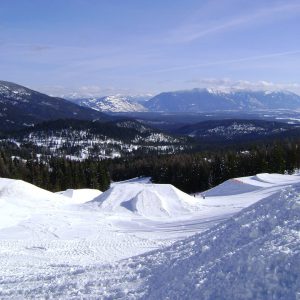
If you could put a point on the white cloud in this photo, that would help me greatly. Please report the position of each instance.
(228, 84)
(222, 84)
(81, 91)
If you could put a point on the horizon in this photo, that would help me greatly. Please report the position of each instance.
(103, 48)
(223, 90)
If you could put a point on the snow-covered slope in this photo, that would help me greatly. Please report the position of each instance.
(148, 200)
(241, 244)
(113, 103)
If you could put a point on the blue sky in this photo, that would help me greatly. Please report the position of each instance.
(138, 46)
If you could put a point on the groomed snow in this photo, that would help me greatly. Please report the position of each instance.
(54, 246)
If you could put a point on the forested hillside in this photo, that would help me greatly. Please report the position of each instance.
(194, 172)
(55, 174)
(190, 172)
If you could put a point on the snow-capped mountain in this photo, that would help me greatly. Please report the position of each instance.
(114, 103)
(21, 107)
(199, 100)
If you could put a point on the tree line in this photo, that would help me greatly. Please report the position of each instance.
(190, 172)
(55, 174)
(194, 172)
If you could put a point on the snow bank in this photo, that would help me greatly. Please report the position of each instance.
(147, 200)
(80, 195)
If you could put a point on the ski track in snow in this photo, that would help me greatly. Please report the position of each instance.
(67, 248)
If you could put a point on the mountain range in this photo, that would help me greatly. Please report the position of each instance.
(207, 100)
(22, 107)
(195, 100)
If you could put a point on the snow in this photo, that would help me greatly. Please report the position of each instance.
(254, 255)
(19, 200)
(236, 129)
(251, 183)
(80, 195)
(140, 240)
(86, 144)
(148, 200)
(114, 103)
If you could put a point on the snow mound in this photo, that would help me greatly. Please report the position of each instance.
(80, 195)
(25, 194)
(147, 200)
(232, 187)
(251, 183)
(19, 200)
(277, 178)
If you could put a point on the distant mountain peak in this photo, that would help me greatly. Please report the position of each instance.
(208, 100)
(114, 103)
(21, 107)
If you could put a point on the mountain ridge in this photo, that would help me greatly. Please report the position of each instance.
(206, 100)
(21, 107)
(113, 103)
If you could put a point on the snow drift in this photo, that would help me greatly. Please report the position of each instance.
(147, 200)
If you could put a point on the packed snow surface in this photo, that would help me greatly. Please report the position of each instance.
(240, 241)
